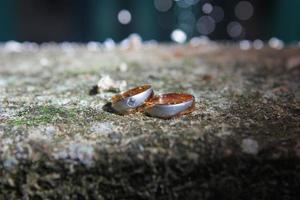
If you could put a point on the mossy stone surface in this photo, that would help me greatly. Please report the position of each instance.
(59, 142)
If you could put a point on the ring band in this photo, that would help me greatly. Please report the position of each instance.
(130, 100)
(170, 105)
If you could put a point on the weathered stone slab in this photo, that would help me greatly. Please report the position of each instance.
(57, 141)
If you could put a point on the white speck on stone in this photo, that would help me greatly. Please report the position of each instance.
(42, 132)
(36, 134)
(44, 62)
(10, 163)
(3, 84)
(269, 95)
(13, 46)
(83, 103)
(67, 47)
(133, 42)
(60, 154)
(106, 83)
(103, 128)
(60, 101)
(245, 44)
(50, 130)
(123, 67)
(250, 146)
(197, 41)
(276, 43)
(44, 99)
(225, 130)
(258, 44)
(82, 152)
(151, 43)
(109, 44)
(93, 46)
(30, 88)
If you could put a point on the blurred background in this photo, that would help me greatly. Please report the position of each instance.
(162, 20)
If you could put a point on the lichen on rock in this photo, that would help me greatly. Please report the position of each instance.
(59, 142)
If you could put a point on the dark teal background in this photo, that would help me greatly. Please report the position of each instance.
(86, 20)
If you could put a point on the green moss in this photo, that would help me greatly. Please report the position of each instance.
(43, 115)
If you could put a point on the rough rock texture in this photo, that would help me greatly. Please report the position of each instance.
(57, 141)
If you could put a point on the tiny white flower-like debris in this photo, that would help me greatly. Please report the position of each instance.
(123, 67)
(106, 83)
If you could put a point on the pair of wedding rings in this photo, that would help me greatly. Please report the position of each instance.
(142, 98)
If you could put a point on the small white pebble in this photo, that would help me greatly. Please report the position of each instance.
(83, 152)
(123, 67)
(107, 83)
(44, 62)
(250, 146)
(245, 44)
(50, 130)
(276, 43)
(135, 40)
(104, 128)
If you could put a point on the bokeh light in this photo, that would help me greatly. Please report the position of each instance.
(245, 44)
(207, 8)
(258, 44)
(186, 21)
(186, 3)
(124, 17)
(244, 10)
(276, 43)
(163, 5)
(206, 25)
(217, 14)
(234, 29)
(178, 36)
(154, 19)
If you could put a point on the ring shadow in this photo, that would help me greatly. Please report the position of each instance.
(108, 108)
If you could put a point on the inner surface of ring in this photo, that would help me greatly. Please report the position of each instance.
(170, 99)
(130, 93)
